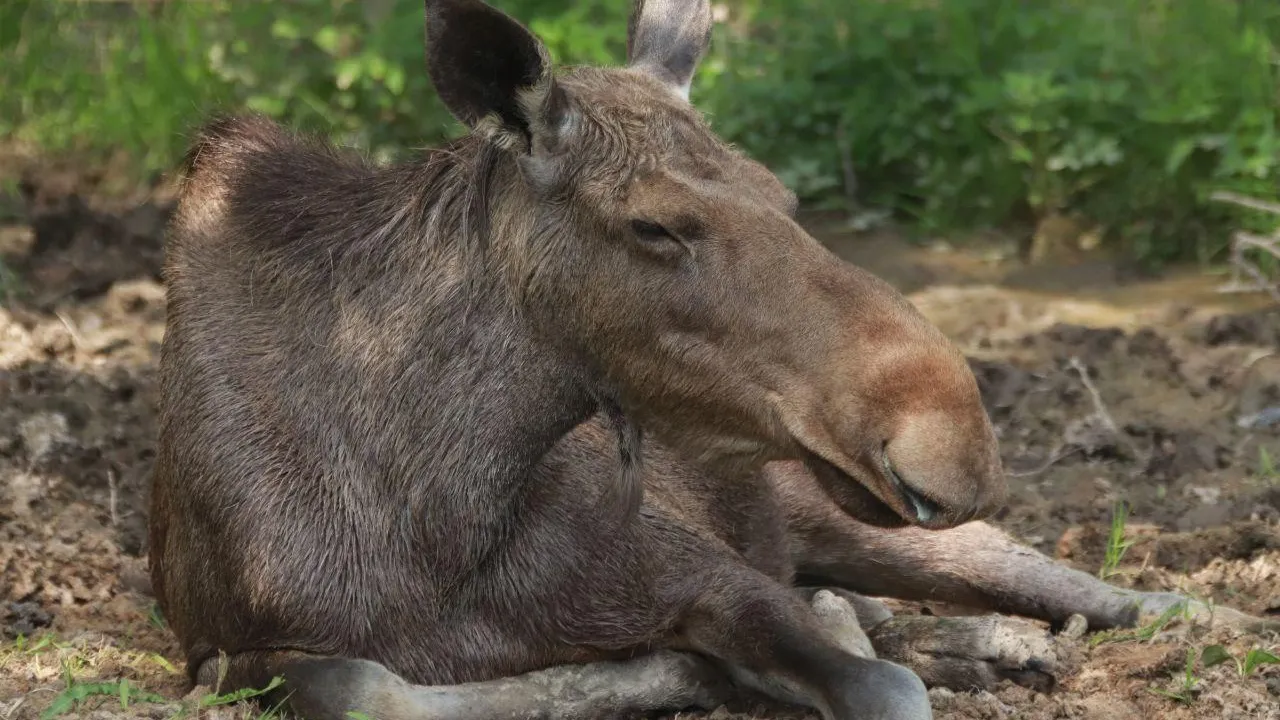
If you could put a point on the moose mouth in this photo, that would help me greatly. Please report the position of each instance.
(925, 509)
(856, 497)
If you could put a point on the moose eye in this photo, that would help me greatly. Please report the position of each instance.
(651, 231)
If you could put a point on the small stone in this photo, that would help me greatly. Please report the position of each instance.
(1075, 628)
(1206, 495)
(24, 618)
(41, 433)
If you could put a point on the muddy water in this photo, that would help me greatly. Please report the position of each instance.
(1095, 291)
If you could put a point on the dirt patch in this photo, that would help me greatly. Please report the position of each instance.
(1097, 400)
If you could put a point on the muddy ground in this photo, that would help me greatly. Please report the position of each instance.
(1171, 364)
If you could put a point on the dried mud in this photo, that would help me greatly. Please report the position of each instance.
(1171, 374)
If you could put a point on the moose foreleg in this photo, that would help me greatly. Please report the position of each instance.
(339, 688)
(975, 565)
(768, 638)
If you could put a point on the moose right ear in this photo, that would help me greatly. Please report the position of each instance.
(491, 72)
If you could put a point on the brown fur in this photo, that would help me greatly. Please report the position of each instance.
(396, 400)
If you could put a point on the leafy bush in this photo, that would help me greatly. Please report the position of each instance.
(955, 113)
(971, 112)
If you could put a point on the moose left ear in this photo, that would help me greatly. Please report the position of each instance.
(491, 72)
(668, 39)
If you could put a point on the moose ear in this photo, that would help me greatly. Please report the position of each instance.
(668, 39)
(492, 73)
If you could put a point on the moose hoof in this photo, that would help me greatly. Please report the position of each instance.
(970, 653)
(1152, 605)
(880, 690)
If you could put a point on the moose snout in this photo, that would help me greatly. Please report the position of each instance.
(946, 469)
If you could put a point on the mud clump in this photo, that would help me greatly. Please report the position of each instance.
(24, 618)
(1260, 328)
(76, 251)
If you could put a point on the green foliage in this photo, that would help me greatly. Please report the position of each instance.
(1266, 466)
(155, 616)
(1117, 545)
(141, 77)
(240, 695)
(971, 112)
(1252, 661)
(1147, 632)
(77, 693)
(1188, 684)
(8, 285)
(955, 113)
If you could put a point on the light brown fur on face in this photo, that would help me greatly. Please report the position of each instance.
(737, 337)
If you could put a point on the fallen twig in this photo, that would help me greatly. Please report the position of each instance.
(1098, 406)
(1057, 456)
(112, 495)
(1242, 241)
(76, 338)
(1100, 409)
(1246, 201)
(846, 166)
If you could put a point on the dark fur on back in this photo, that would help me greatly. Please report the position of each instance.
(310, 363)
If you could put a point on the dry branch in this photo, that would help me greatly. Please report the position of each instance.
(1242, 242)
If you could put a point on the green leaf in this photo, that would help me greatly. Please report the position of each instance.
(77, 693)
(395, 79)
(266, 104)
(241, 694)
(346, 72)
(11, 14)
(1257, 658)
(326, 38)
(1182, 150)
(1214, 655)
(285, 29)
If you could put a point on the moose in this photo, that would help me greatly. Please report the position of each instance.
(568, 418)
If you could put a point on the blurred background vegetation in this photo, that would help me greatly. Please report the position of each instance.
(954, 114)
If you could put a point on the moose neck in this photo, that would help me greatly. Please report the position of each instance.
(465, 399)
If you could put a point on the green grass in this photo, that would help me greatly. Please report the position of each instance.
(1144, 633)
(96, 79)
(214, 700)
(77, 694)
(1117, 545)
(84, 687)
(1187, 689)
(1266, 467)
